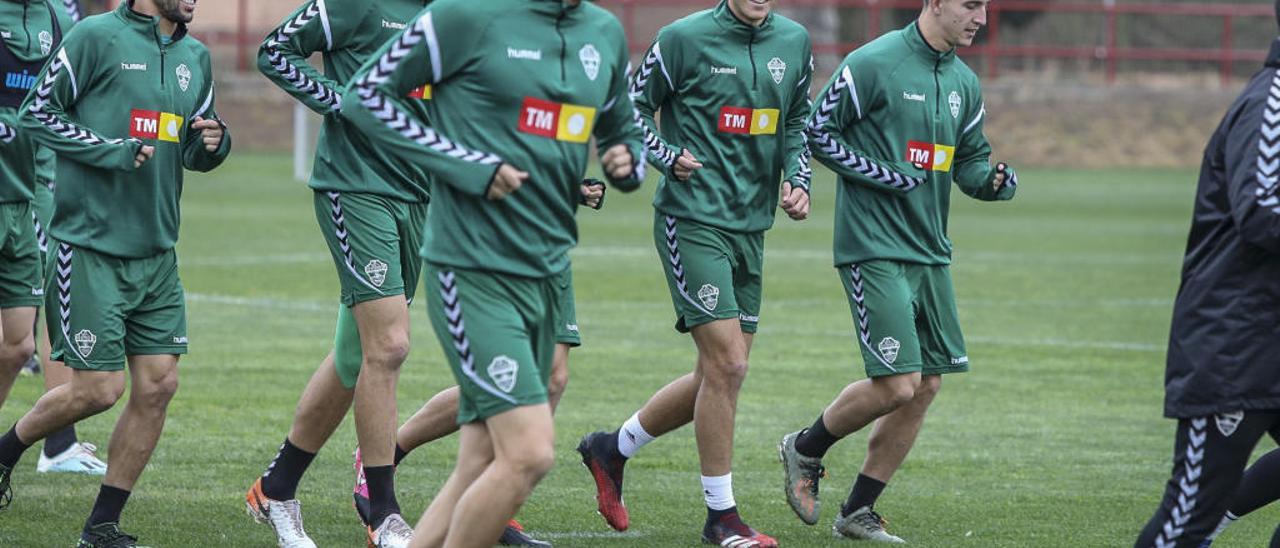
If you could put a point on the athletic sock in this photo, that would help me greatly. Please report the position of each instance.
(382, 493)
(107, 508)
(714, 516)
(280, 481)
(717, 491)
(58, 442)
(1260, 485)
(866, 490)
(11, 448)
(632, 436)
(814, 441)
(400, 455)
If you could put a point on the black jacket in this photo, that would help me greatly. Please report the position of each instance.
(1224, 347)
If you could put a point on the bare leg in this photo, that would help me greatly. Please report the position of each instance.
(155, 380)
(868, 399)
(722, 358)
(86, 394)
(384, 336)
(475, 454)
(56, 373)
(323, 405)
(895, 433)
(559, 379)
(523, 452)
(16, 344)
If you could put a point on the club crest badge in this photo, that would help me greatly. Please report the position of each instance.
(590, 58)
(1228, 422)
(889, 349)
(184, 77)
(85, 340)
(954, 101)
(709, 295)
(777, 69)
(46, 42)
(376, 271)
(503, 372)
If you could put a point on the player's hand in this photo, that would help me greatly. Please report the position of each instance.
(592, 193)
(795, 202)
(1002, 174)
(686, 164)
(145, 153)
(507, 180)
(210, 132)
(618, 162)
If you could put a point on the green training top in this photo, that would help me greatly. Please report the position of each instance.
(525, 82)
(735, 96)
(899, 122)
(31, 31)
(110, 89)
(46, 160)
(348, 32)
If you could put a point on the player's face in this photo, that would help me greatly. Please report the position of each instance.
(178, 11)
(961, 20)
(751, 11)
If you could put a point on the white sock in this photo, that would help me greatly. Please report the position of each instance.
(718, 491)
(631, 437)
(1222, 525)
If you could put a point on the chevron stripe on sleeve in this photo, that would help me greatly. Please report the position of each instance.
(1268, 163)
(40, 107)
(827, 144)
(659, 151)
(388, 111)
(288, 70)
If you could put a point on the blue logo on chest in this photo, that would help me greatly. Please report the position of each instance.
(23, 80)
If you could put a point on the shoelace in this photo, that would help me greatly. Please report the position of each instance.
(871, 521)
(813, 473)
(399, 528)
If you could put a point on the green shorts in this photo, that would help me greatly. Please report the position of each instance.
(906, 318)
(21, 274)
(713, 274)
(112, 307)
(374, 241)
(498, 332)
(348, 356)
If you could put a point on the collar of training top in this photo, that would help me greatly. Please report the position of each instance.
(146, 23)
(1273, 57)
(915, 40)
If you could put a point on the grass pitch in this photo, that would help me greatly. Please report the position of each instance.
(1055, 439)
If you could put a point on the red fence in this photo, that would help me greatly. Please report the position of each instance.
(1109, 52)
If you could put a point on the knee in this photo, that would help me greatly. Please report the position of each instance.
(389, 352)
(98, 396)
(533, 463)
(728, 373)
(21, 350)
(928, 389)
(898, 391)
(156, 393)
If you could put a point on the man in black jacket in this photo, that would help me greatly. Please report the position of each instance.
(1222, 379)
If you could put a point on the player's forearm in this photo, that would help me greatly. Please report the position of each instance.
(289, 70)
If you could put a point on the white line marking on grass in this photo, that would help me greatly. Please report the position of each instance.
(259, 302)
(588, 534)
(1067, 343)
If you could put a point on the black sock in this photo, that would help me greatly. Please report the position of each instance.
(382, 493)
(400, 455)
(11, 448)
(866, 490)
(814, 441)
(1259, 486)
(280, 481)
(59, 441)
(108, 506)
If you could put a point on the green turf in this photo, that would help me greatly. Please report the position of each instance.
(1055, 439)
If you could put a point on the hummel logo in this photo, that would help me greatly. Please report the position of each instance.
(37, 292)
(530, 54)
(911, 96)
(393, 25)
(179, 340)
(133, 66)
(5, 34)
(723, 70)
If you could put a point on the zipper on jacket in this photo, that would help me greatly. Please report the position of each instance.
(751, 55)
(937, 89)
(563, 45)
(155, 31)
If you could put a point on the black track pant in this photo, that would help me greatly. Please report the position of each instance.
(1209, 456)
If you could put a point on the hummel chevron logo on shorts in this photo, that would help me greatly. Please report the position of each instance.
(7, 134)
(864, 322)
(42, 240)
(458, 330)
(834, 150)
(344, 240)
(677, 267)
(288, 71)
